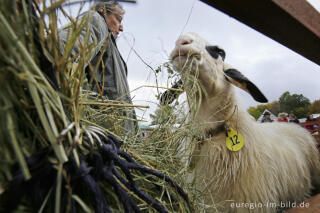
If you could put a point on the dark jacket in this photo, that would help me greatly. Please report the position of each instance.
(112, 73)
(265, 120)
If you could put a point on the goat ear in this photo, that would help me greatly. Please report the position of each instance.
(241, 81)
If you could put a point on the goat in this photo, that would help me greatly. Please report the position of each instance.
(274, 164)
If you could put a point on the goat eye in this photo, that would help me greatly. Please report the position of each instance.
(215, 52)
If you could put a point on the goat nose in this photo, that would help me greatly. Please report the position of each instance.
(184, 41)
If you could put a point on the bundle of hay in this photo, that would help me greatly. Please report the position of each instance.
(55, 155)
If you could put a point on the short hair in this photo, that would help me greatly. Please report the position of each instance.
(110, 6)
(282, 114)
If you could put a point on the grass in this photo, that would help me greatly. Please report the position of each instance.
(36, 115)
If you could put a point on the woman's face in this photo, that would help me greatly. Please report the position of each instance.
(114, 23)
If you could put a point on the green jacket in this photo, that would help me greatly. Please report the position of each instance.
(113, 76)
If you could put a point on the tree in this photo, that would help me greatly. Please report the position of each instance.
(274, 107)
(258, 110)
(296, 104)
(254, 112)
(314, 107)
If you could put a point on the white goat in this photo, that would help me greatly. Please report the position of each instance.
(278, 164)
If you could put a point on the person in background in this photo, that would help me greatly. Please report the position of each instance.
(310, 127)
(293, 119)
(103, 24)
(282, 117)
(266, 118)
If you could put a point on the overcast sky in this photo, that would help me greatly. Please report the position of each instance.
(151, 27)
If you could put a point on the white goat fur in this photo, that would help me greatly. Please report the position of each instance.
(279, 161)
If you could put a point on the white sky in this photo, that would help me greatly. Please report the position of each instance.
(152, 26)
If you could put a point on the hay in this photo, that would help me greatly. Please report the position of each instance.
(42, 105)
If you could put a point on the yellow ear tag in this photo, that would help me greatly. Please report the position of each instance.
(234, 140)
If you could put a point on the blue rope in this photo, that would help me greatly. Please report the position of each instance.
(103, 165)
